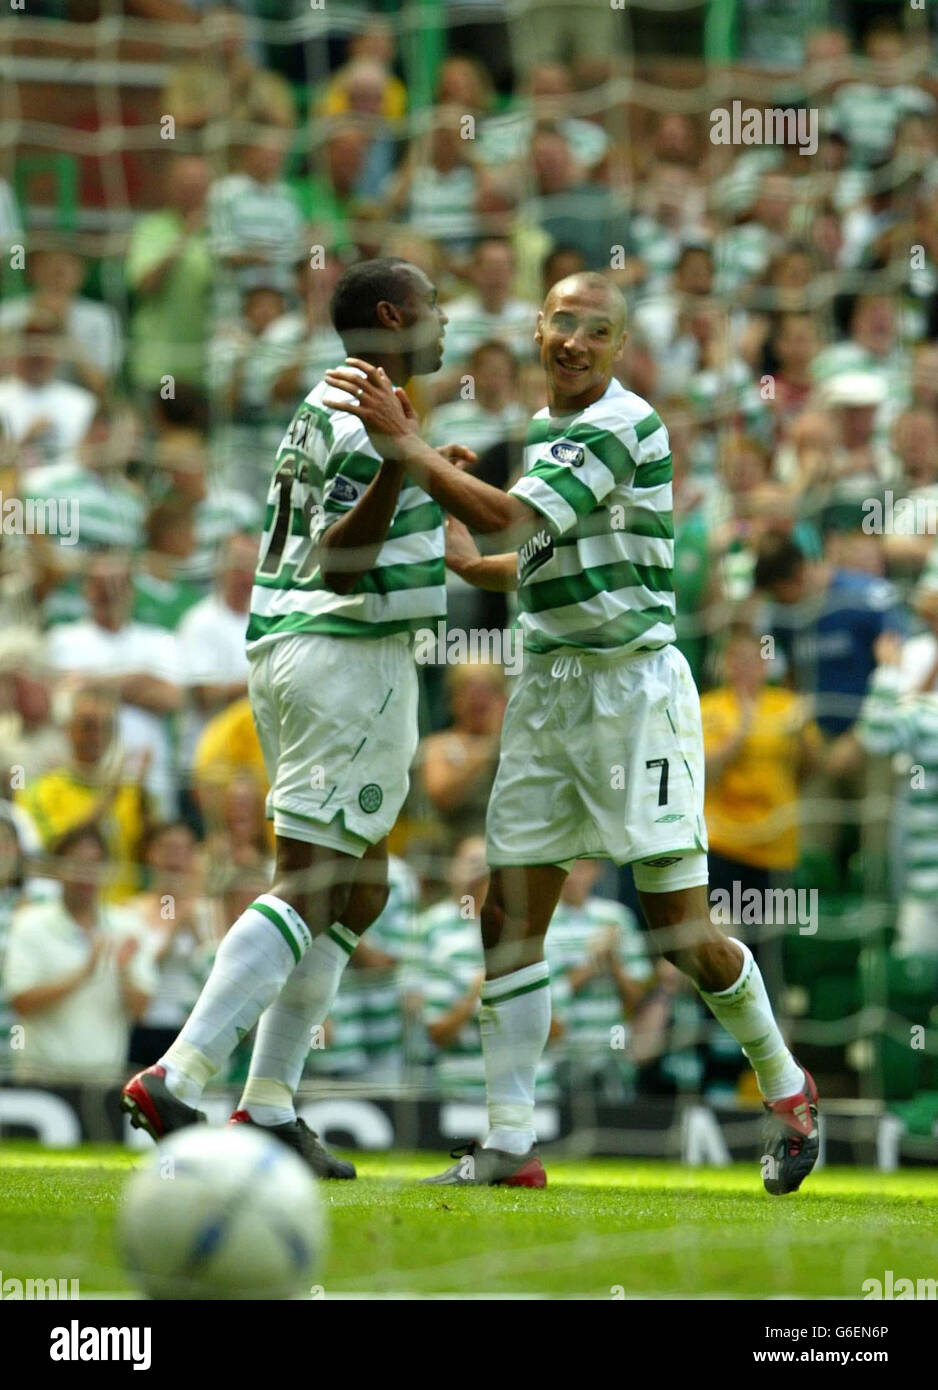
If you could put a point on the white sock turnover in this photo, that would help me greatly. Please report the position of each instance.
(745, 1012)
(284, 1034)
(515, 1023)
(251, 966)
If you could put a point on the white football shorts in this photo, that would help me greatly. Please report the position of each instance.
(602, 756)
(337, 722)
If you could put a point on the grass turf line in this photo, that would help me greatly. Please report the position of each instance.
(649, 1229)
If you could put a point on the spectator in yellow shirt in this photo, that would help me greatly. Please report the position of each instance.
(227, 757)
(759, 742)
(94, 788)
(227, 749)
(374, 46)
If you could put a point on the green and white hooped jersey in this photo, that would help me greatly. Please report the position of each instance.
(324, 464)
(591, 1013)
(367, 1014)
(600, 574)
(892, 721)
(452, 960)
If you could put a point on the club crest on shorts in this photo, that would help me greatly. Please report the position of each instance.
(370, 798)
(565, 452)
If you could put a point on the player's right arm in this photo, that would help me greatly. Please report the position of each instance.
(391, 423)
(498, 573)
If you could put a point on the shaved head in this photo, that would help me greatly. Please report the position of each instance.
(580, 332)
(583, 282)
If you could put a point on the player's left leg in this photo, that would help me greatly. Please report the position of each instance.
(656, 824)
(730, 983)
(284, 1033)
(515, 1023)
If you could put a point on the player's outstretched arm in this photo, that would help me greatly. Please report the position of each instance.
(391, 422)
(498, 573)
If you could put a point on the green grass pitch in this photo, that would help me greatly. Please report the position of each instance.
(603, 1228)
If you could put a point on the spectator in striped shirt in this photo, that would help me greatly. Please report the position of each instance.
(490, 310)
(255, 226)
(453, 973)
(600, 973)
(890, 724)
(91, 352)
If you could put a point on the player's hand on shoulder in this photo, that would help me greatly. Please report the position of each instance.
(458, 455)
(384, 409)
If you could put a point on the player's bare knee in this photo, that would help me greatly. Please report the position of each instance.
(366, 902)
(716, 963)
(513, 952)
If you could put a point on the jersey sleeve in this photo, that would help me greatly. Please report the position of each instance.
(887, 722)
(351, 464)
(574, 474)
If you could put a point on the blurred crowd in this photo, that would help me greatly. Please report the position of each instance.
(783, 320)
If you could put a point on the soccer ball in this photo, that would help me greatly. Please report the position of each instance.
(222, 1213)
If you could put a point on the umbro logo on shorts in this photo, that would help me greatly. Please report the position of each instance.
(666, 820)
(370, 798)
(662, 863)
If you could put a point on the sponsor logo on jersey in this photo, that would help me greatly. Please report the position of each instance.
(666, 820)
(565, 452)
(370, 798)
(534, 553)
(342, 490)
(298, 433)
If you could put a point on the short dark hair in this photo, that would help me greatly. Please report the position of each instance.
(155, 832)
(484, 241)
(88, 830)
(778, 558)
(694, 248)
(165, 517)
(360, 289)
(188, 408)
(565, 249)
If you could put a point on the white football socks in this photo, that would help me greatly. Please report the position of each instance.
(251, 966)
(745, 1012)
(515, 1022)
(284, 1034)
